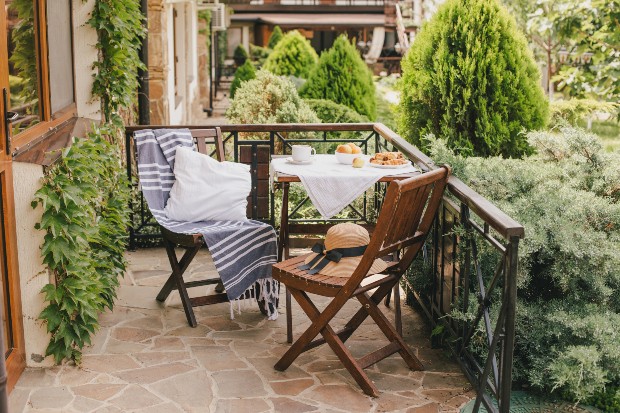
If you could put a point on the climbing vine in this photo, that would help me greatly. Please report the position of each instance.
(84, 197)
(120, 30)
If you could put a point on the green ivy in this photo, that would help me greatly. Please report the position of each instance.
(84, 197)
(120, 30)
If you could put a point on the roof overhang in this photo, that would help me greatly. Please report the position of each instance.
(312, 20)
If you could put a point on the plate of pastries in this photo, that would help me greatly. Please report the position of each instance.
(389, 160)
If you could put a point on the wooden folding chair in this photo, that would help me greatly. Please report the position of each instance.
(405, 220)
(192, 243)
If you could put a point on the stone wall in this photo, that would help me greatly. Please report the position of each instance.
(158, 64)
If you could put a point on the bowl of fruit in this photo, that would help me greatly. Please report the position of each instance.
(345, 154)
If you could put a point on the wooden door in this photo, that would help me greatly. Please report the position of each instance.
(12, 331)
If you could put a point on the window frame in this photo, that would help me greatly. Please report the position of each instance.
(48, 120)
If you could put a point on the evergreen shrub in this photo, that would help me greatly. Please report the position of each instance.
(259, 54)
(275, 38)
(470, 78)
(331, 112)
(240, 55)
(293, 55)
(342, 77)
(244, 73)
(568, 311)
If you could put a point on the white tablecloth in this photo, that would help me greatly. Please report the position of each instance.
(332, 186)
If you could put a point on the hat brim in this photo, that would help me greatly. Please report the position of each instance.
(346, 266)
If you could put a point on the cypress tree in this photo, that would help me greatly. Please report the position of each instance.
(292, 56)
(342, 77)
(245, 72)
(470, 78)
(275, 37)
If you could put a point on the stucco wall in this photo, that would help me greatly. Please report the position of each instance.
(32, 273)
(84, 41)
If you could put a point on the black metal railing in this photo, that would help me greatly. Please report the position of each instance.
(473, 301)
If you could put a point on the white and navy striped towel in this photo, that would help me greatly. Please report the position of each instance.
(243, 251)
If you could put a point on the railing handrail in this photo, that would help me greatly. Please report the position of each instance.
(506, 226)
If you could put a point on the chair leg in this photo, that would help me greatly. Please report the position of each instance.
(398, 321)
(289, 318)
(178, 268)
(320, 321)
(384, 324)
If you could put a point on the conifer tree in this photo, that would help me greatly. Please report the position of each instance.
(292, 56)
(275, 37)
(470, 78)
(342, 77)
(245, 72)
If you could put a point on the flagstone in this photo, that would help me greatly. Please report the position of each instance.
(191, 391)
(265, 366)
(138, 297)
(341, 397)
(242, 405)
(108, 363)
(119, 315)
(83, 404)
(286, 405)
(35, 378)
(98, 391)
(444, 381)
(50, 397)
(167, 343)
(160, 357)
(113, 346)
(135, 397)
(291, 387)
(135, 335)
(216, 358)
(187, 331)
(255, 334)
(387, 402)
(161, 408)
(153, 374)
(72, 375)
(19, 398)
(219, 324)
(386, 382)
(239, 383)
(442, 396)
(427, 408)
(149, 322)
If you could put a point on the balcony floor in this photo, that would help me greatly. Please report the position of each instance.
(145, 358)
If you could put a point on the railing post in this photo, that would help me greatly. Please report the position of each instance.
(510, 295)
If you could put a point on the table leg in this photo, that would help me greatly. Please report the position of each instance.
(283, 254)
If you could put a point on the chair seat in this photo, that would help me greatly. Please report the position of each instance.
(326, 285)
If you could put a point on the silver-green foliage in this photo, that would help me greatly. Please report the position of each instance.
(568, 199)
(470, 79)
(269, 99)
(293, 55)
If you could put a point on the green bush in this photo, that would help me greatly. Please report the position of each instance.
(342, 77)
(259, 54)
(275, 38)
(568, 199)
(330, 112)
(293, 55)
(269, 99)
(244, 73)
(240, 55)
(574, 110)
(85, 198)
(470, 78)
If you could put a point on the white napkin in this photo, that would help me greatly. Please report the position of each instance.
(332, 186)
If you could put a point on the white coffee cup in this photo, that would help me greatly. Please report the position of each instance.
(303, 153)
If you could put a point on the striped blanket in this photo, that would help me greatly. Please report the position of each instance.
(243, 251)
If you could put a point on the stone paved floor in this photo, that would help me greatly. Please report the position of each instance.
(145, 358)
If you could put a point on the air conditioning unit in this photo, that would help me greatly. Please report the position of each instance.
(218, 13)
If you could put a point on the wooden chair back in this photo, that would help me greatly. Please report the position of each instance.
(409, 207)
(210, 136)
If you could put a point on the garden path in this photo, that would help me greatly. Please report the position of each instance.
(145, 358)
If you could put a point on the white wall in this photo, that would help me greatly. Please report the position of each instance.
(32, 273)
(85, 53)
(184, 97)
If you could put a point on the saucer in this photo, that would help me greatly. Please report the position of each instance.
(294, 162)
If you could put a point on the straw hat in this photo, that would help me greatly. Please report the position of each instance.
(342, 252)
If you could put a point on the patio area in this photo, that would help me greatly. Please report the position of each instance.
(145, 358)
